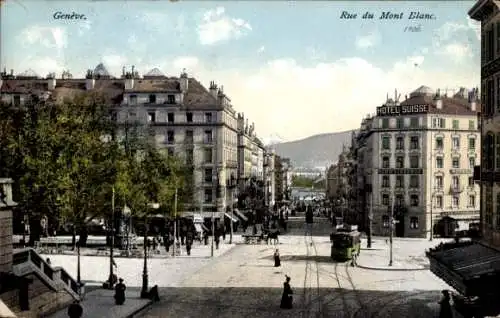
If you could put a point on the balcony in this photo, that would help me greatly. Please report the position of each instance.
(456, 188)
(460, 171)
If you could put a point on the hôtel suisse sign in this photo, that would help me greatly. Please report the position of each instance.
(402, 110)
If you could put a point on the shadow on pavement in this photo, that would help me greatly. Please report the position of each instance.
(205, 302)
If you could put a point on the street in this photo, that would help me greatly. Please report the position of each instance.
(244, 283)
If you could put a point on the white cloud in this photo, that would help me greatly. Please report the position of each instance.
(84, 27)
(187, 62)
(366, 41)
(457, 51)
(42, 66)
(50, 37)
(453, 39)
(218, 27)
(261, 49)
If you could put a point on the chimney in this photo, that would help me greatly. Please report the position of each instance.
(472, 100)
(51, 85)
(184, 81)
(89, 83)
(439, 103)
(213, 89)
(129, 83)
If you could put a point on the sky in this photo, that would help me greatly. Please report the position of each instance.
(295, 69)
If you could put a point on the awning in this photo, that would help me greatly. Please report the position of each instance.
(229, 216)
(5, 311)
(459, 265)
(240, 215)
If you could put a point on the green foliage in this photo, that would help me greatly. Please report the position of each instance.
(305, 182)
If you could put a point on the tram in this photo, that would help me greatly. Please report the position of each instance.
(346, 242)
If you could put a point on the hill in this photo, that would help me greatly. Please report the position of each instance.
(315, 151)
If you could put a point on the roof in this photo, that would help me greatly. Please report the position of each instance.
(456, 105)
(154, 73)
(100, 70)
(482, 8)
(468, 259)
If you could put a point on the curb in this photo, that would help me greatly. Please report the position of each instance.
(140, 309)
(393, 269)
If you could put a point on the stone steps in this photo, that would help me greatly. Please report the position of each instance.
(45, 304)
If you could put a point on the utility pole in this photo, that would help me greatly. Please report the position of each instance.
(391, 226)
(112, 240)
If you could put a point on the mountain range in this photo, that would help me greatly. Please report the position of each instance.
(317, 151)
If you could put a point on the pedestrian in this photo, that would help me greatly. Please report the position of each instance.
(189, 242)
(277, 260)
(154, 244)
(287, 297)
(445, 306)
(120, 292)
(75, 310)
(205, 237)
(153, 293)
(47, 261)
(217, 240)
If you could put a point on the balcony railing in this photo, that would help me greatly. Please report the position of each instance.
(456, 188)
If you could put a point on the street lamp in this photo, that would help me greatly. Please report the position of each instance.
(112, 241)
(144, 290)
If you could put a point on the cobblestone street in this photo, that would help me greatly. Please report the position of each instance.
(244, 283)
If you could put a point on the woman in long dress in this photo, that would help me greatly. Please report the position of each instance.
(287, 298)
(277, 260)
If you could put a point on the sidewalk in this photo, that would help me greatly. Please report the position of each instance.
(406, 255)
(100, 303)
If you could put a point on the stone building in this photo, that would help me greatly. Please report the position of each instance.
(423, 152)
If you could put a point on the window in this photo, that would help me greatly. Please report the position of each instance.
(400, 143)
(439, 182)
(133, 100)
(498, 37)
(439, 202)
(439, 143)
(471, 182)
(497, 151)
(189, 136)
(400, 200)
(414, 122)
(386, 183)
(385, 199)
(208, 175)
(455, 162)
(207, 155)
(472, 162)
(385, 220)
(414, 223)
(385, 162)
(472, 201)
(208, 195)
(414, 200)
(488, 211)
(208, 137)
(472, 125)
(386, 142)
(455, 201)
(439, 162)
(170, 99)
(472, 143)
(414, 162)
(438, 123)
(455, 123)
(170, 117)
(189, 117)
(414, 144)
(151, 117)
(400, 181)
(385, 123)
(498, 210)
(414, 181)
(17, 100)
(189, 156)
(170, 137)
(208, 117)
(455, 182)
(152, 99)
(400, 122)
(400, 162)
(455, 142)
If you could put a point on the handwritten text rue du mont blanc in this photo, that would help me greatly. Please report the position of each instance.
(413, 16)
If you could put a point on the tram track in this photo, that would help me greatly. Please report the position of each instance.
(308, 289)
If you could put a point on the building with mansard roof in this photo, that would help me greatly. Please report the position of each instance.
(197, 124)
(418, 155)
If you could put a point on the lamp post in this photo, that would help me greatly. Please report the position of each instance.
(112, 241)
(144, 289)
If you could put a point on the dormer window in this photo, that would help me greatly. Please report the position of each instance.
(152, 99)
(171, 99)
(133, 100)
(208, 117)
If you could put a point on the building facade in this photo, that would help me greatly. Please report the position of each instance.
(198, 125)
(423, 152)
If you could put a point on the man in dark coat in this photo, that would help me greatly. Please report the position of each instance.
(445, 306)
(189, 241)
(277, 260)
(120, 292)
(287, 298)
(75, 310)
